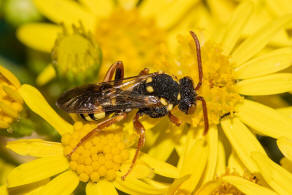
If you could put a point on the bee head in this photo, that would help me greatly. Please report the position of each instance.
(187, 95)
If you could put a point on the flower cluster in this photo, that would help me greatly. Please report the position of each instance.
(246, 54)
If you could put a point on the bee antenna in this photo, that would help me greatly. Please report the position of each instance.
(199, 60)
(200, 69)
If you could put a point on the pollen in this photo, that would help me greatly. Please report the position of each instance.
(127, 36)
(218, 86)
(99, 157)
(72, 49)
(10, 102)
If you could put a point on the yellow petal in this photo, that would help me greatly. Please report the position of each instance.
(100, 8)
(235, 165)
(266, 85)
(3, 190)
(235, 26)
(194, 164)
(268, 63)
(132, 185)
(287, 111)
(35, 147)
(239, 135)
(265, 120)
(39, 36)
(280, 7)
(67, 12)
(128, 4)
(221, 10)
(37, 103)
(29, 189)
(208, 188)
(221, 159)
(140, 170)
(176, 184)
(212, 139)
(166, 13)
(4, 125)
(247, 187)
(274, 175)
(9, 76)
(46, 75)
(63, 184)
(286, 164)
(160, 167)
(100, 188)
(252, 45)
(37, 170)
(156, 184)
(285, 145)
(162, 149)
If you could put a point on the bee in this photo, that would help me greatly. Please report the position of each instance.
(153, 94)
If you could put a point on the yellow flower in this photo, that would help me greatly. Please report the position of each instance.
(229, 178)
(10, 101)
(100, 161)
(234, 70)
(75, 57)
(137, 35)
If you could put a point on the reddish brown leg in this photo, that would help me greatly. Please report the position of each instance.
(100, 126)
(174, 119)
(141, 131)
(118, 69)
(205, 113)
(198, 48)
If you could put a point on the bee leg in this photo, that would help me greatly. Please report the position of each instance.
(174, 119)
(118, 69)
(206, 121)
(141, 131)
(100, 126)
(199, 60)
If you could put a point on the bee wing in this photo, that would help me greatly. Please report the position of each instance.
(106, 96)
(83, 99)
(123, 100)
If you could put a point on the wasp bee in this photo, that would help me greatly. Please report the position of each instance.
(152, 94)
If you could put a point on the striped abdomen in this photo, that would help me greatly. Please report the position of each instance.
(93, 117)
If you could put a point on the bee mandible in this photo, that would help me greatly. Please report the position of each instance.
(153, 94)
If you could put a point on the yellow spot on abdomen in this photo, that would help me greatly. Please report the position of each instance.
(149, 89)
(100, 115)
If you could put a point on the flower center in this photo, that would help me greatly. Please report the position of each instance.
(126, 36)
(98, 157)
(76, 56)
(218, 87)
(10, 102)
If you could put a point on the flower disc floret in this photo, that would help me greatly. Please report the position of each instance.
(99, 157)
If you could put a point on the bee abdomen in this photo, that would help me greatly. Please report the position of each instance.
(93, 117)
